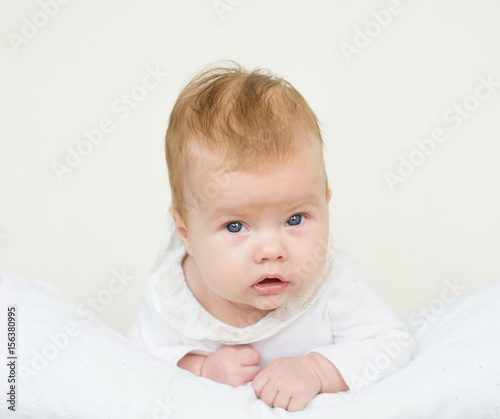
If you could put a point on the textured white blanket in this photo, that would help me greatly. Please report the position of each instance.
(71, 367)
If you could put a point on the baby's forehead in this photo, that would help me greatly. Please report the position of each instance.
(280, 182)
(201, 173)
(208, 161)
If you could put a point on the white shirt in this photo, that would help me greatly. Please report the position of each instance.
(340, 317)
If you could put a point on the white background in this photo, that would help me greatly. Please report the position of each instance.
(110, 213)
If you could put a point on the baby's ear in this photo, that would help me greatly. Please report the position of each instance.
(181, 229)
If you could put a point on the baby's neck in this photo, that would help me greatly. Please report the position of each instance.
(236, 315)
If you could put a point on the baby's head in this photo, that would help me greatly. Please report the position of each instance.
(249, 188)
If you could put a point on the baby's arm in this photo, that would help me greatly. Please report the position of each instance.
(159, 338)
(235, 365)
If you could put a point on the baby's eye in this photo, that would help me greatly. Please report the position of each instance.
(295, 220)
(234, 227)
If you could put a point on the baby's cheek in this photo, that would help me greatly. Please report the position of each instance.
(237, 245)
(309, 264)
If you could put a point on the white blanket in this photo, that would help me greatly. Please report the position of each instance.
(71, 367)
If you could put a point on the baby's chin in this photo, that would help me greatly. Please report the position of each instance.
(270, 304)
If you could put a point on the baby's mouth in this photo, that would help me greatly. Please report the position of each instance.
(270, 284)
(269, 280)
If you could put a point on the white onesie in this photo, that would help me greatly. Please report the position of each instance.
(340, 317)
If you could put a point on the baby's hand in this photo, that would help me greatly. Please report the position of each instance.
(290, 383)
(234, 365)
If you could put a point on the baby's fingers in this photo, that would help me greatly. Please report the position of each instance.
(265, 388)
(282, 400)
(297, 403)
(249, 356)
(269, 394)
(251, 372)
(278, 393)
(259, 382)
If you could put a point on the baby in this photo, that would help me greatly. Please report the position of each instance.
(247, 287)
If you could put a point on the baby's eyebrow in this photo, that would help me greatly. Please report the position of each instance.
(232, 209)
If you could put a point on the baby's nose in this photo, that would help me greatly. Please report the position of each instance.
(271, 248)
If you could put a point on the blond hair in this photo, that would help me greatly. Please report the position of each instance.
(227, 118)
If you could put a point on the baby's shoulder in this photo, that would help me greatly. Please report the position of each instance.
(343, 265)
(341, 258)
(344, 275)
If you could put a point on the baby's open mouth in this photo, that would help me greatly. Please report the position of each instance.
(270, 284)
(268, 280)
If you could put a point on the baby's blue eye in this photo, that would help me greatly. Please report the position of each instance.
(234, 227)
(295, 220)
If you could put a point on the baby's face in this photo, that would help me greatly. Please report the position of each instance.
(260, 236)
